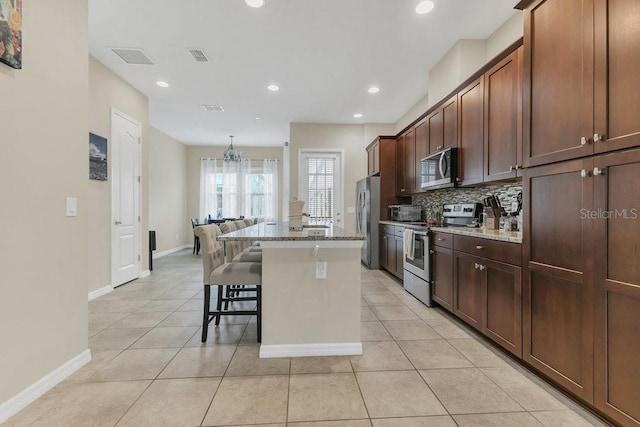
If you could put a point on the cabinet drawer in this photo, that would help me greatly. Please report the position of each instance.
(387, 229)
(399, 231)
(444, 240)
(510, 253)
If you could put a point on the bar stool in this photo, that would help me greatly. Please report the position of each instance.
(217, 272)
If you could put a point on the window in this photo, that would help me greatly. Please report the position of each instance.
(321, 189)
(320, 184)
(231, 190)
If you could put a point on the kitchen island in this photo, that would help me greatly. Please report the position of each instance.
(304, 314)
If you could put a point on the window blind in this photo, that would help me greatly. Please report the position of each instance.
(321, 188)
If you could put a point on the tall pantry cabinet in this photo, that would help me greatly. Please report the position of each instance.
(581, 281)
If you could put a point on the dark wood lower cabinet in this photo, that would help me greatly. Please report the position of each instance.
(502, 317)
(558, 276)
(391, 250)
(442, 276)
(467, 289)
(617, 282)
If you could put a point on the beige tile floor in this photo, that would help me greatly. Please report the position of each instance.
(419, 368)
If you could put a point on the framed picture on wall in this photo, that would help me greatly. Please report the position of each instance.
(97, 157)
(11, 33)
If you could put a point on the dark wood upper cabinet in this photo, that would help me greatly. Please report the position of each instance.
(503, 119)
(582, 98)
(405, 163)
(558, 277)
(450, 123)
(373, 158)
(471, 133)
(435, 124)
(421, 132)
(617, 285)
(386, 147)
(617, 76)
(558, 81)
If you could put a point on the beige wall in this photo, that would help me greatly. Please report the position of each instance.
(195, 153)
(167, 191)
(43, 160)
(107, 90)
(508, 33)
(461, 62)
(351, 138)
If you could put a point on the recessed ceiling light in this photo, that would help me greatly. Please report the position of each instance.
(254, 3)
(374, 89)
(162, 83)
(273, 88)
(357, 115)
(424, 7)
(258, 118)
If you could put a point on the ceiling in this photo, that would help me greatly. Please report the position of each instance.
(323, 54)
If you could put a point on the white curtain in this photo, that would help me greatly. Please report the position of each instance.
(245, 191)
(270, 171)
(208, 190)
(231, 189)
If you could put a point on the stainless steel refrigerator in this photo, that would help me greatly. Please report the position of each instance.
(367, 217)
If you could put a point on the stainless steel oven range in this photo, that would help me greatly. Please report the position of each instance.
(417, 279)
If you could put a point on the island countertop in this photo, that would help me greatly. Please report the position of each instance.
(279, 231)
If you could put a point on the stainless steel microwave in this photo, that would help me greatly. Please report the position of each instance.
(439, 170)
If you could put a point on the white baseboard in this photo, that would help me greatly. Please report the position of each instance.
(43, 385)
(99, 292)
(171, 251)
(144, 274)
(301, 350)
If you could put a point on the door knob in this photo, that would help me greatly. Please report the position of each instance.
(584, 140)
(476, 265)
(597, 137)
(118, 222)
(597, 171)
(512, 168)
(482, 267)
(479, 247)
(585, 173)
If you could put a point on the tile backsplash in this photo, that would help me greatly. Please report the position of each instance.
(507, 193)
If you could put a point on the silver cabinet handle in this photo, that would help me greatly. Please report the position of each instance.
(512, 168)
(597, 171)
(479, 247)
(431, 251)
(440, 239)
(118, 222)
(585, 173)
(584, 140)
(598, 138)
(482, 267)
(476, 266)
(519, 167)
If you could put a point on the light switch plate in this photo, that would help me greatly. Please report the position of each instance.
(72, 206)
(321, 270)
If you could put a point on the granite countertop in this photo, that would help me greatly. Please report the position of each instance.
(504, 236)
(279, 231)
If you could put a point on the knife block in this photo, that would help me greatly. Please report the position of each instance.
(489, 220)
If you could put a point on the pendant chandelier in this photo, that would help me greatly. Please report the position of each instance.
(231, 154)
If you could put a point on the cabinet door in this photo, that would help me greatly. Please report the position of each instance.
(617, 80)
(384, 254)
(617, 257)
(370, 162)
(409, 171)
(442, 276)
(503, 118)
(558, 81)
(450, 123)
(376, 158)
(502, 305)
(467, 282)
(471, 119)
(400, 189)
(435, 122)
(557, 286)
(399, 268)
(421, 134)
(391, 254)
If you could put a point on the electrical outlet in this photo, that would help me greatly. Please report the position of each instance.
(321, 270)
(318, 232)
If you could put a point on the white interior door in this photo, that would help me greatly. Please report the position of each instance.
(125, 198)
(320, 184)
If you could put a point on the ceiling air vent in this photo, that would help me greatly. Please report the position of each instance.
(213, 108)
(133, 56)
(198, 55)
